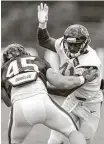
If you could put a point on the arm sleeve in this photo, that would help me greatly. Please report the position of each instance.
(45, 40)
(5, 98)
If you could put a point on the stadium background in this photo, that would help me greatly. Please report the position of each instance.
(19, 24)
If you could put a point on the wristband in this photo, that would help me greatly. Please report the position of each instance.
(43, 26)
(82, 80)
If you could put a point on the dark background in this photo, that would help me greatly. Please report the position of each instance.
(19, 20)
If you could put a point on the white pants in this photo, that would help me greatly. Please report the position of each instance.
(28, 112)
(87, 115)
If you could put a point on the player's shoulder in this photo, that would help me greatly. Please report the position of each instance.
(58, 42)
(90, 58)
(93, 54)
(91, 50)
(4, 66)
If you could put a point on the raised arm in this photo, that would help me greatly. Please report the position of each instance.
(44, 38)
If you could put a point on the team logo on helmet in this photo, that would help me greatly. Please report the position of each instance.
(13, 50)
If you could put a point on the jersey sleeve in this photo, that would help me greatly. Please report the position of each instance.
(59, 44)
(4, 83)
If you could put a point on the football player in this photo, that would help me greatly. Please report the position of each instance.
(23, 81)
(75, 55)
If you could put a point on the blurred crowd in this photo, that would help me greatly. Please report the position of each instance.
(19, 22)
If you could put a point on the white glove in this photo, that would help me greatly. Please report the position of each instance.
(43, 13)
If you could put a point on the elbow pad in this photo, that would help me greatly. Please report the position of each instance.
(43, 34)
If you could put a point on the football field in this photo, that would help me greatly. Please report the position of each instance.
(40, 133)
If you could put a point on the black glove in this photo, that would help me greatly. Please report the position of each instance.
(90, 74)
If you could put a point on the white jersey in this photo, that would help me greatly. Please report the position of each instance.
(29, 90)
(91, 90)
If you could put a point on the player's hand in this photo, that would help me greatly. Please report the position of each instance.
(42, 13)
(90, 74)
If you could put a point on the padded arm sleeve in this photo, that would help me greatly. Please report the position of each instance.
(45, 40)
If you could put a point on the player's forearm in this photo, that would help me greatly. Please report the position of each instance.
(61, 92)
(64, 82)
(45, 40)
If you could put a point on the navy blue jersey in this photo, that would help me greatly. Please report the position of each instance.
(21, 70)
